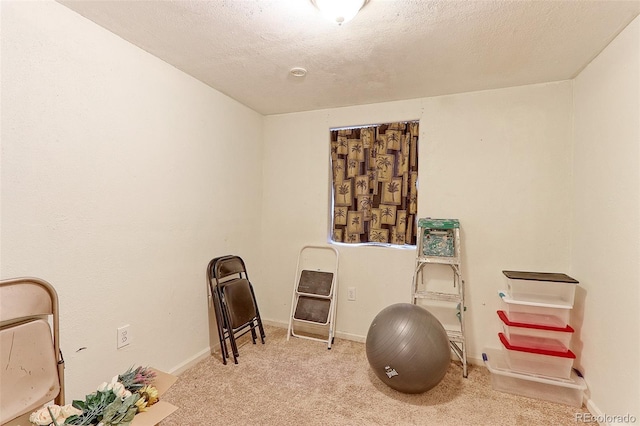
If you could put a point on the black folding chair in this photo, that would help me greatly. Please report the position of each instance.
(234, 302)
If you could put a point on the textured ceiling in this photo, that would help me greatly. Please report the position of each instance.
(392, 50)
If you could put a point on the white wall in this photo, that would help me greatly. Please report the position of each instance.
(606, 223)
(499, 160)
(121, 178)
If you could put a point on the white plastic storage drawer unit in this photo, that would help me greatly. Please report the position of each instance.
(535, 335)
(537, 360)
(544, 314)
(564, 391)
(541, 287)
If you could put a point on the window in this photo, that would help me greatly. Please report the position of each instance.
(375, 175)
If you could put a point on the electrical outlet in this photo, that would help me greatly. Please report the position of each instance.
(351, 293)
(124, 336)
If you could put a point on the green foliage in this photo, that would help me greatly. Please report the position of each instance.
(105, 407)
(92, 408)
(121, 412)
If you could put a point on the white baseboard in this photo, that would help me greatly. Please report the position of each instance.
(595, 411)
(352, 337)
(474, 361)
(338, 334)
(273, 323)
(181, 368)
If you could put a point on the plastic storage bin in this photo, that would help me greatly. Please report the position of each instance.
(538, 361)
(543, 314)
(564, 391)
(541, 287)
(534, 335)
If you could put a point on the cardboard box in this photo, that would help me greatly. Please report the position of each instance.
(154, 415)
(161, 409)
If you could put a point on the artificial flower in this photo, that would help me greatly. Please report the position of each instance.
(134, 379)
(150, 394)
(42, 417)
(104, 386)
(114, 403)
(141, 403)
(120, 391)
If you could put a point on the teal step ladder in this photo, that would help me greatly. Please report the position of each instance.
(439, 244)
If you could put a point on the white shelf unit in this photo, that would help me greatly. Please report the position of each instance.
(439, 244)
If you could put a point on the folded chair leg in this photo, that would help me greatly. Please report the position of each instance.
(258, 323)
(258, 318)
(253, 333)
(225, 353)
(220, 323)
(232, 337)
(235, 354)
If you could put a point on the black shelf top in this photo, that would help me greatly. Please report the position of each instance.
(540, 276)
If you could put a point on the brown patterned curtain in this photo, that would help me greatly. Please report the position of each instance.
(375, 171)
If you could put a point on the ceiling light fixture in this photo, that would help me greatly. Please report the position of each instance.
(339, 11)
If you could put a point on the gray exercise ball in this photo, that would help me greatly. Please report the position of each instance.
(408, 348)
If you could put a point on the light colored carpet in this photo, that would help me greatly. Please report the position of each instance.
(301, 382)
